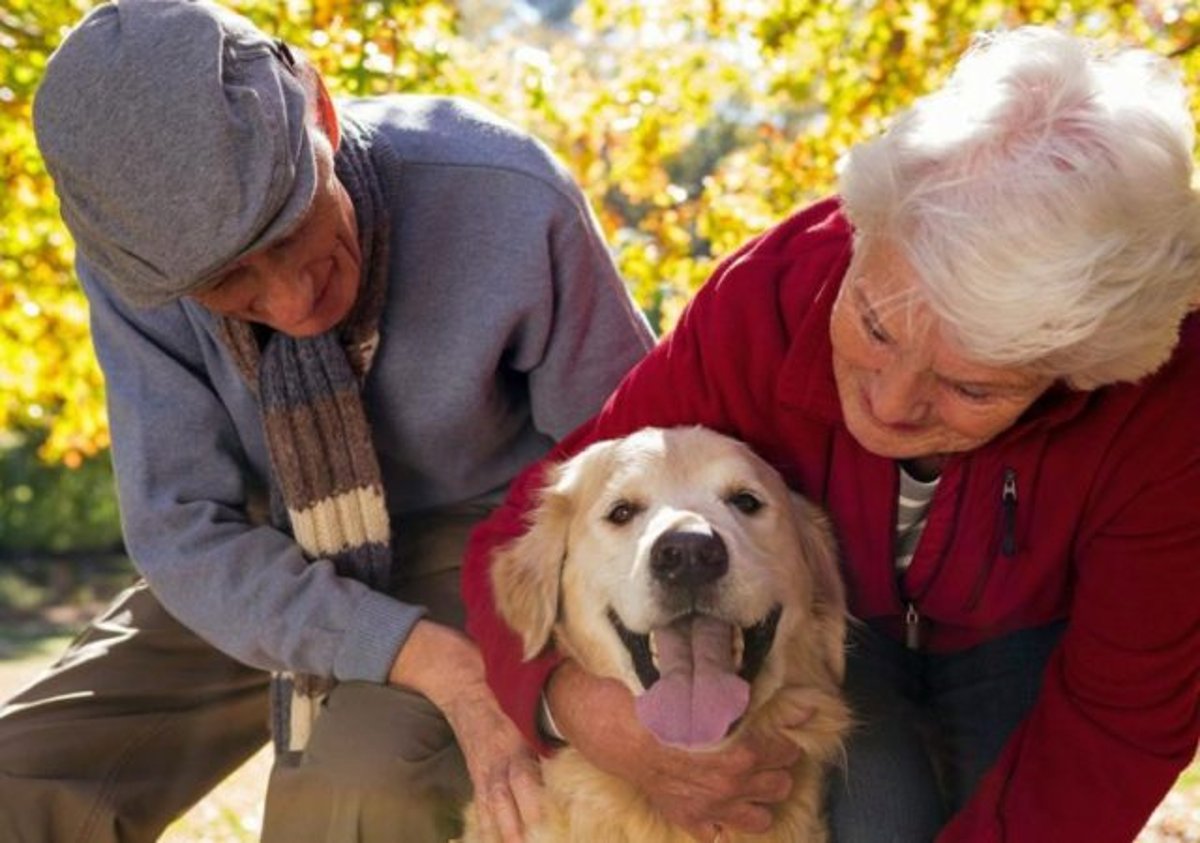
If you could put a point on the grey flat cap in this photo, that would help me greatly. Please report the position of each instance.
(176, 135)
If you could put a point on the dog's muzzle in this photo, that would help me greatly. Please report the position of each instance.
(695, 665)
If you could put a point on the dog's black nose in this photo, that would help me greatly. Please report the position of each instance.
(689, 560)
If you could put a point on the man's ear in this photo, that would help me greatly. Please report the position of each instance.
(327, 117)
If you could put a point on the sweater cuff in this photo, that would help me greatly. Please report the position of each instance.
(369, 646)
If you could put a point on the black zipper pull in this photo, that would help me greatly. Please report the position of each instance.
(1008, 513)
(912, 627)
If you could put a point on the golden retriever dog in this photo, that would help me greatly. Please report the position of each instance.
(678, 562)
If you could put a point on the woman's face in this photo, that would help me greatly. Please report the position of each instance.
(305, 283)
(907, 392)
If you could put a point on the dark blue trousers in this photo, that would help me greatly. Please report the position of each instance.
(929, 727)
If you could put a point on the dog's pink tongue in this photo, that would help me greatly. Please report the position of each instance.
(698, 696)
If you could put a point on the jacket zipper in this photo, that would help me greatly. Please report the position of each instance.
(912, 618)
(912, 627)
(1008, 513)
(1008, 547)
(1008, 535)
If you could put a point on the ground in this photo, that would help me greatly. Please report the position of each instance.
(231, 814)
(31, 637)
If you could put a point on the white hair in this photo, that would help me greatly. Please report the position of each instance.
(1043, 197)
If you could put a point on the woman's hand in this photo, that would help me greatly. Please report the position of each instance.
(445, 666)
(701, 791)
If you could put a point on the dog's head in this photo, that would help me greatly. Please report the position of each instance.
(678, 562)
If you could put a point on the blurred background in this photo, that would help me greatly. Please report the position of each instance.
(691, 124)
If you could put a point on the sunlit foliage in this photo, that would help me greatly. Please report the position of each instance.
(692, 125)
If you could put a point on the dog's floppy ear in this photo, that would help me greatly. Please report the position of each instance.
(829, 593)
(527, 571)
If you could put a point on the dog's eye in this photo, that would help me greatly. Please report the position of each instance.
(746, 502)
(622, 512)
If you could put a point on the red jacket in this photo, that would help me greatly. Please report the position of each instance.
(1104, 529)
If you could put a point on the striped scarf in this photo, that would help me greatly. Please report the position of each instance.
(325, 472)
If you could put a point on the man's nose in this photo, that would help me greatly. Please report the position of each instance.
(898, 393)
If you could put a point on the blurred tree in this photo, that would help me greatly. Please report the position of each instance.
(48, 379)
(691, 124)
(55, 509)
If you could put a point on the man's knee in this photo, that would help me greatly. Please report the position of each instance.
(378, 759)
(135, 723)
(36, 810)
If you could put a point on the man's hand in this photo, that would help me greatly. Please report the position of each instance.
(701, 791)
(504, 770)
(445, 666)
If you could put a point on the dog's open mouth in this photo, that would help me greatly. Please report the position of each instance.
(696, 673)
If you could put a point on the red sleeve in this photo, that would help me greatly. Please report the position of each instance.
(1118, 717)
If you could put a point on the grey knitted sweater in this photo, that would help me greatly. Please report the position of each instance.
(505, 327)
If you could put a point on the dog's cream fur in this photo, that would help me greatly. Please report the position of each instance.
(584, 556)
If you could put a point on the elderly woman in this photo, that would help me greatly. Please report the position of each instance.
(980, 359)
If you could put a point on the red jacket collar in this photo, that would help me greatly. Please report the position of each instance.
(806, 380)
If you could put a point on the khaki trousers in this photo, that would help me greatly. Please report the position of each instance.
(140, 718)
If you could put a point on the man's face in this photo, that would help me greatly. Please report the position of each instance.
(305, 283)
(907, 391)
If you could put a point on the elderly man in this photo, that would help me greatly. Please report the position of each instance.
(331, 335)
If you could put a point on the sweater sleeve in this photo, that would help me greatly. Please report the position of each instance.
(1118, 716)
(591, 332)
(182, 479)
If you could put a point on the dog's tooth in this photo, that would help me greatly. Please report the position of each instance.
(654, 651)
